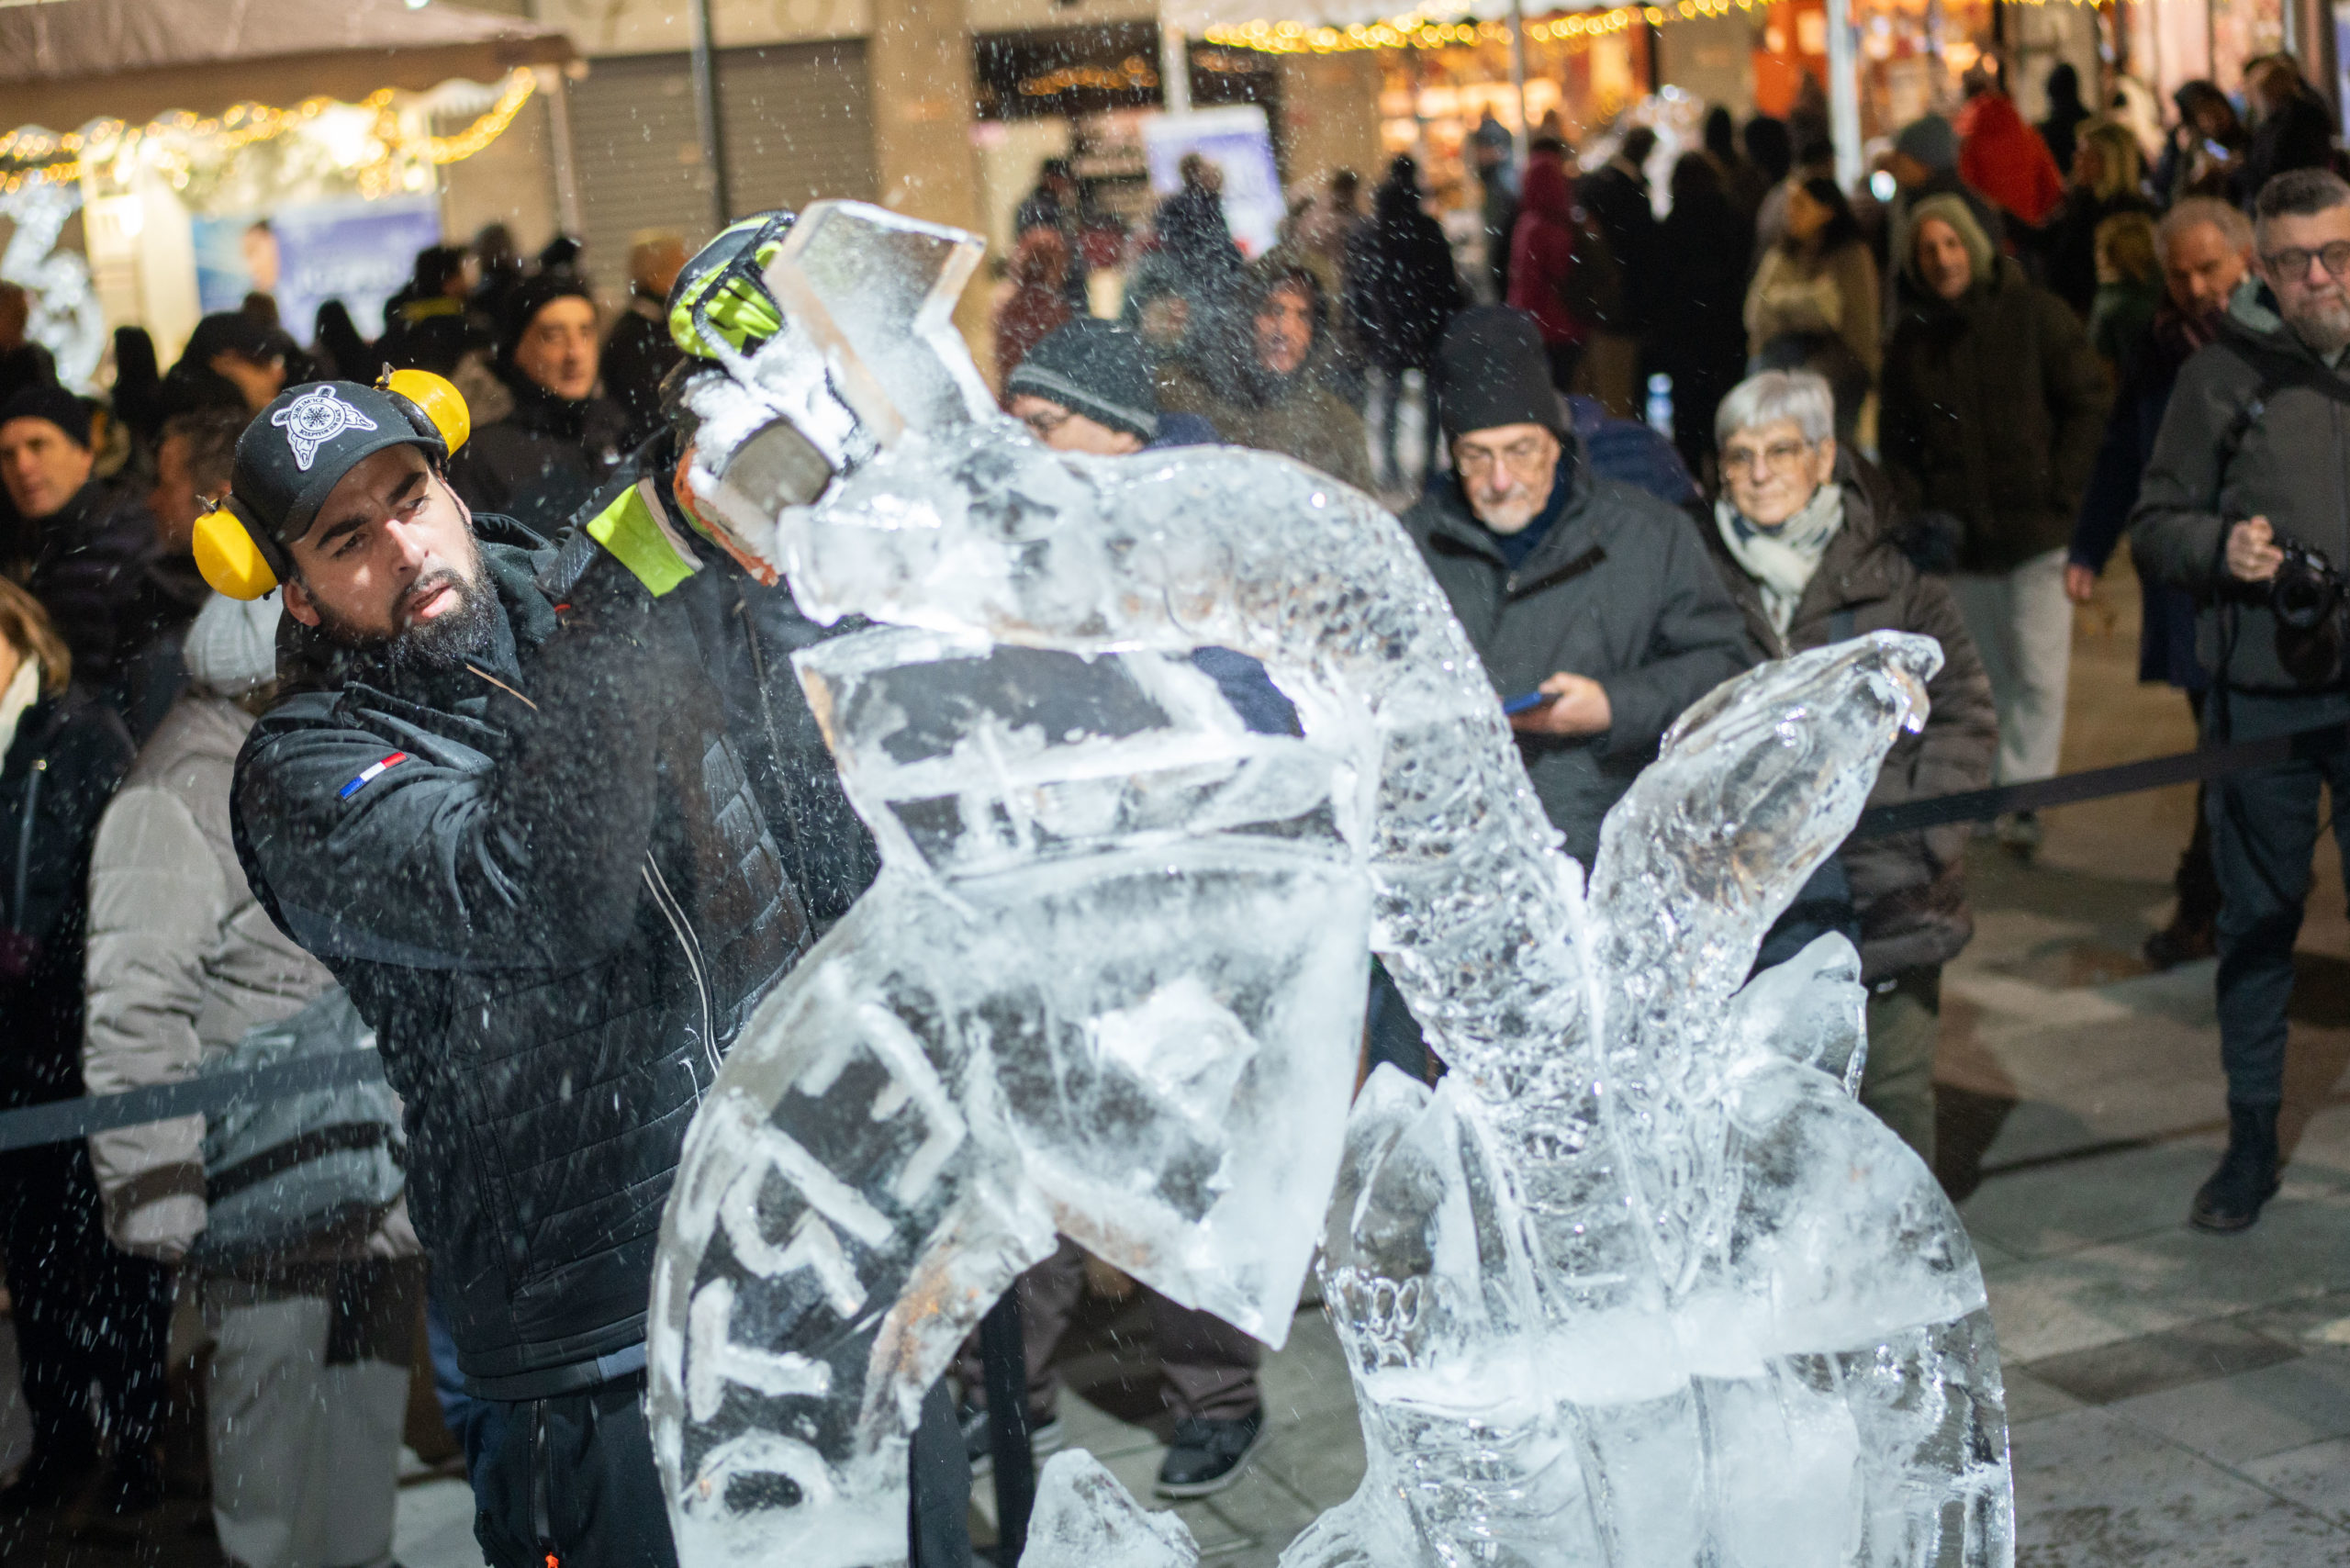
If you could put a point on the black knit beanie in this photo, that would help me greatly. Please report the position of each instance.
(531, 296)
(51, 402)
(1493, 372)
(1095, 368)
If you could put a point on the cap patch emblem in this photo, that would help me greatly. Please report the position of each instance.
(314, 419)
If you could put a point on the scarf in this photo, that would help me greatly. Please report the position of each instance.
(1781, 560)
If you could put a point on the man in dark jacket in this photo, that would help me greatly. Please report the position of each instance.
(1807, 541)
(542, 462)
(2250, 457)
(1993, 406)
(639, 352)
(1400, 289)
(1589, 592)
(500, 800)
(1616, 197)
(2206, 250)
(81, 547)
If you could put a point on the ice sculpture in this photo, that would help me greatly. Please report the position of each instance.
(1639, 1284)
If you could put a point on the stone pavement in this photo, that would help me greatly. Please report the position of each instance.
(2178, 1400)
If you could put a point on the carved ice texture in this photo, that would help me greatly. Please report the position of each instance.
(1637, 1283)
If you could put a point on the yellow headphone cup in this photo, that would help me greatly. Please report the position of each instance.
(229, 558)
(438, 396)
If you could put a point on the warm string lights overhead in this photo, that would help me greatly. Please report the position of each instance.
(175, 144)
(1417, 29)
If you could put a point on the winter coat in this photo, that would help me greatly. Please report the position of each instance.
(2004, 158)
(1813, 298)
(1617, 202)
(2300, 135)
(1909, 888)
(1618, 591)
(1297, 416)
(542, 462)
(87, 564)
(1992, 409)
(638, 352)
(1703, 249)
(2167, 617)
(1400, 285)
(548, 887)
(182, 963)
(2293, 467)
(2072, 243)
(1543, 256)
(68, 754)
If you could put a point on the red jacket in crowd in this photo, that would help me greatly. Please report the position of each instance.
(2005, 159)
(1542, 253)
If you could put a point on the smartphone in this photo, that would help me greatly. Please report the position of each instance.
(1526, 704)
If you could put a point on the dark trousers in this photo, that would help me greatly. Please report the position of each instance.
(2264, 831)
(1387, 458)
(83, 1311)
(571, 1480)
(1209, 1365)
(2196, 886)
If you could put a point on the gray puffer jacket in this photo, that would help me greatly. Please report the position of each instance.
(182, 964)
(2291, 465)
(1909, 888)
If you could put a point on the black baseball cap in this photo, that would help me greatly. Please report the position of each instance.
(297, 450)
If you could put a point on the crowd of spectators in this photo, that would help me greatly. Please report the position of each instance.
(1936, 412)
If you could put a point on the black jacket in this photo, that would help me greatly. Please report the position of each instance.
(1993, 406)
(87, 563)
(538, 464)
(2291, 465)
(637, 353)
(1402, 286)
(1619, 205)
(1618, 590)
(68, 755)
(556, 909)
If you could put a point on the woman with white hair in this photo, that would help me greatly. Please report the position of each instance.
(1805, 537)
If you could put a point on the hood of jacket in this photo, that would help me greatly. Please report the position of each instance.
(1547, 193)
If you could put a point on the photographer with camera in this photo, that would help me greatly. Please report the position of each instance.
(2242, 505)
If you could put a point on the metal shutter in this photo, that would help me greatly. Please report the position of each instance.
(797, 124)
(639, 159)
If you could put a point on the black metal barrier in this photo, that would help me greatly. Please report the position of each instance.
(62, 1120)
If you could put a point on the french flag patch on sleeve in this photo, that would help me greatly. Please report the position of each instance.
(367, 775)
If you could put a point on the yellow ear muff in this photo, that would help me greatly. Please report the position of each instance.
(438, 399)
(230, 558)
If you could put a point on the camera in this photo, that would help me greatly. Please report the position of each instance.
(2306, 596)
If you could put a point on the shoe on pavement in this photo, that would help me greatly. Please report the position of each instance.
(2246, 1178)
(1208, 1456)
(2020, 834)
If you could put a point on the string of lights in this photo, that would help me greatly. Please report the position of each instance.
(1420, 29)
(177, 141)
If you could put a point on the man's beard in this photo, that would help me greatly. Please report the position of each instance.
(2323, 326)
(444, 642)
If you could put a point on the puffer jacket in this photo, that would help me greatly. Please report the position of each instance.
(1616, 591)
(2291, 465)
(182, 963)
(1993, 409)
(1909, 888)
(67, 755)
(547, 886)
